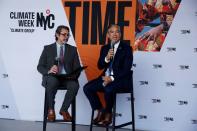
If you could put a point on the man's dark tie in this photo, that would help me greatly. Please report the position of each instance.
(111, 61)
(61, 62)
(110, 66)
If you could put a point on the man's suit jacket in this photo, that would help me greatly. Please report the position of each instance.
(47, 60)
(122, 63)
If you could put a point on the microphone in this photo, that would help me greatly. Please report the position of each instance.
(112, 47)
(112, 44)
(56, 61)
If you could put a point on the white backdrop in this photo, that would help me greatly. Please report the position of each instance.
(165, 83)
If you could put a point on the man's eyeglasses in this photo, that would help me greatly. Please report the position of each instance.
(111, 32)
(65, 34)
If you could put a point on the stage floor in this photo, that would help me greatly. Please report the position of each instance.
(17, 125)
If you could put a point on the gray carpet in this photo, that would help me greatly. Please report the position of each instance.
(17, 125)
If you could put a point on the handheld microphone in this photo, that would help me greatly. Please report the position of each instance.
(112, 47)
(112, 44)
(56, 61)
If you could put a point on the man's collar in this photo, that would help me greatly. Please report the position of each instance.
(59, 45)
(116, 44)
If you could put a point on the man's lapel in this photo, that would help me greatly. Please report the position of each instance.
(66, 52)
(54, 51)
(118, 52)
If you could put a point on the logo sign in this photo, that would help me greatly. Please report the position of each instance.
(156, 100)
(134, 65)
(194, 121)
(180, 102)
(129, 98)
(184, 67)
(118, 115)
(142, 117)
(168, 119)
(185, 31)
(170, 84)
(195, 49)
(4, 107)
(157, 66)
(143, 82)
(171, 49)
(27, 22)
(194, 85)
(4, 75)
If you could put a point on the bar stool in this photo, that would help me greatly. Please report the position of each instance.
(114, 126)
(73, 112)
(71, 76)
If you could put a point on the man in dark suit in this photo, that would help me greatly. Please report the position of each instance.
(59, 58)
(116, 62)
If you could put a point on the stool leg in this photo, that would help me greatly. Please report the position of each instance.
(73, 110)
(114, 114)
(132, 112)
(91, 121)
(45, 111)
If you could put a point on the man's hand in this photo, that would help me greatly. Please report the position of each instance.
(106, 80)
(110, 54)
(54, 69)
(152, 34)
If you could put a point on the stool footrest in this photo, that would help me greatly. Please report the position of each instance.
(123, 125)
(116, 127)
(58, 120)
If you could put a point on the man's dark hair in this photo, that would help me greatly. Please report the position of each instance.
(59, 29)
